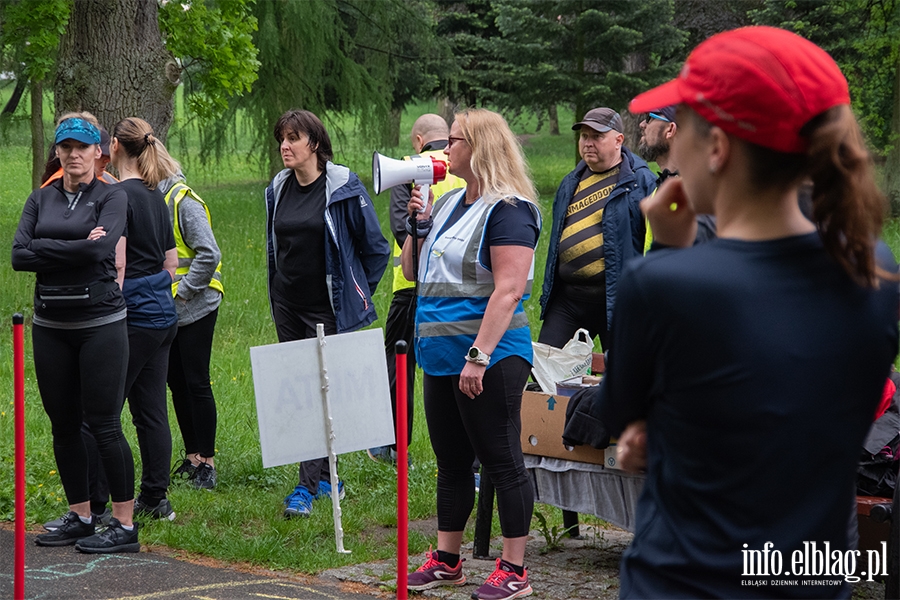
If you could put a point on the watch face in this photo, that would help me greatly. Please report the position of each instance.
(474, 352)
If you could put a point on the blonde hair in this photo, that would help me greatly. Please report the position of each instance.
(497, 162)
(137, 140)
(83, 115)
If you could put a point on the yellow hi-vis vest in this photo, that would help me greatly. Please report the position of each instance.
(186, 254)
(450, 182)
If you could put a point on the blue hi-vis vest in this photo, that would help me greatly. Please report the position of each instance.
(454, 289)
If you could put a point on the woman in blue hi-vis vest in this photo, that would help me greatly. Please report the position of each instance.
(474, 344)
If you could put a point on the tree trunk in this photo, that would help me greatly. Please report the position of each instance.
(38, 154)
(13, 104)
(554, 119)
(892, 165)
(112, 62)
(447, 109)
(580, 108)
(393, 132)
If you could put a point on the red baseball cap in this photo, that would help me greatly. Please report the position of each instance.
(760, 84)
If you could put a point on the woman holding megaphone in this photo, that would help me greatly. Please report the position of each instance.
(473, 341)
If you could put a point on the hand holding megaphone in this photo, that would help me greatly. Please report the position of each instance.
(421, 199)
(421, 170)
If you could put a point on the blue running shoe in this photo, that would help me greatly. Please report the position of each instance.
(325, 490)
(477, 483)
(298, 503)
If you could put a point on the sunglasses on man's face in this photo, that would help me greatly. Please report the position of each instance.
(656, 116)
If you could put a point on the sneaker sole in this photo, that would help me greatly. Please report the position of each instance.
(168, 517)
(133, 547)
(520, 594)
(291, 514)
(437, 583)
(54, 543)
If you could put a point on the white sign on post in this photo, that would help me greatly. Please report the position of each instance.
(289, 396)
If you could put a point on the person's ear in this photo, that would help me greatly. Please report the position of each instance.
(671, 130)
(719, 150)
(620, 139)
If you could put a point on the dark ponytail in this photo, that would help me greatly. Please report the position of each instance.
(848, 207)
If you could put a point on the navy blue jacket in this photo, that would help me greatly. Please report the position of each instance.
(623, 224)
(356, 252)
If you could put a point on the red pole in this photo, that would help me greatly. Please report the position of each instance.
(402, 474)
(19, 378)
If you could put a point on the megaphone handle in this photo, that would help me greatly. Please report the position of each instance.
(425, 191)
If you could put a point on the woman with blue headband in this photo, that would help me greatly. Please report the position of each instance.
(67, 235)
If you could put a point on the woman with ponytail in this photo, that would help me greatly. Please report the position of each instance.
(150, 262)
(752, 364)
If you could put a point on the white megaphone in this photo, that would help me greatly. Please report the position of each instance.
(420, 170)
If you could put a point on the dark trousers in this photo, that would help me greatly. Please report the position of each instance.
(296, 323)
(188, 378)
(572, 308)
(399, 326)
(145, 388)
(489, 427)
(81, 378)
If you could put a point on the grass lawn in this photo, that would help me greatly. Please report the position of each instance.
(241, 520)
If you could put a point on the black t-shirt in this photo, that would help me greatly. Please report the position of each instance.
(300, 244)
(758, 367)
(149, 230)
(508, 225)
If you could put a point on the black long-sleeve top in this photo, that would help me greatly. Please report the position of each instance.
(758, 367)
(51, 240)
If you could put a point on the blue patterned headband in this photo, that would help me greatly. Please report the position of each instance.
(77, 129)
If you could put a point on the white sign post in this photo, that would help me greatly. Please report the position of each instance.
(339, 381)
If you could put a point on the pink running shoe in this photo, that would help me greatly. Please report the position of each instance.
(434, 573)
(503, 584)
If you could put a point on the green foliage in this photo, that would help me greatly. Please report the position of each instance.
(214, 41)
(863, 37)
(29, 35)
(537, 53)
(553, 535)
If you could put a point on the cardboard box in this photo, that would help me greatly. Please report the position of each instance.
(543, 420)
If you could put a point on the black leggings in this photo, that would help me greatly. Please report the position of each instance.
(145, 388)
(192, 395)
(81, 377)
(488, 427)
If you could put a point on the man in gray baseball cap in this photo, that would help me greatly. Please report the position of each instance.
(597, 227)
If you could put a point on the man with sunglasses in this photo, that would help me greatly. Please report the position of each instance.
(658, 129)
(597, 227)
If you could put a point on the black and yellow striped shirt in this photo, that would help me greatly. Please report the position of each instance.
(581, 256)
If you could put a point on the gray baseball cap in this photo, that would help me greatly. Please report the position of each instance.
(601, 119)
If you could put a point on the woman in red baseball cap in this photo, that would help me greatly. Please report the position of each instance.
(753, 363)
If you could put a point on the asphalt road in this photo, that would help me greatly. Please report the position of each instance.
(62, 573)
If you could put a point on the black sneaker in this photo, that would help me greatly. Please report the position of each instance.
(100, 520)
(70, 530)
(114, 538)
(204, 477)
(185, 470)
(163, 510)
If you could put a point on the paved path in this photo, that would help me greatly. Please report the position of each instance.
(58, 573)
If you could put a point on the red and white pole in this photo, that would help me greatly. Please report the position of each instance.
(19, 384)
(402, 474)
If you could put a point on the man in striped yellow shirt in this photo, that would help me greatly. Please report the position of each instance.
(597, 227)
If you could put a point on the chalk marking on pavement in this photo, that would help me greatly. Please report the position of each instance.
(258, 595)
(227, 585)
(74, 569)
(317, 592)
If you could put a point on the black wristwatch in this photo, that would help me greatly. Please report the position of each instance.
(475, 355)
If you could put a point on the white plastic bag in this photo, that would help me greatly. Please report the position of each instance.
(555, 364)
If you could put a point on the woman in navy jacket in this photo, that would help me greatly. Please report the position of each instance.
(325, 254)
